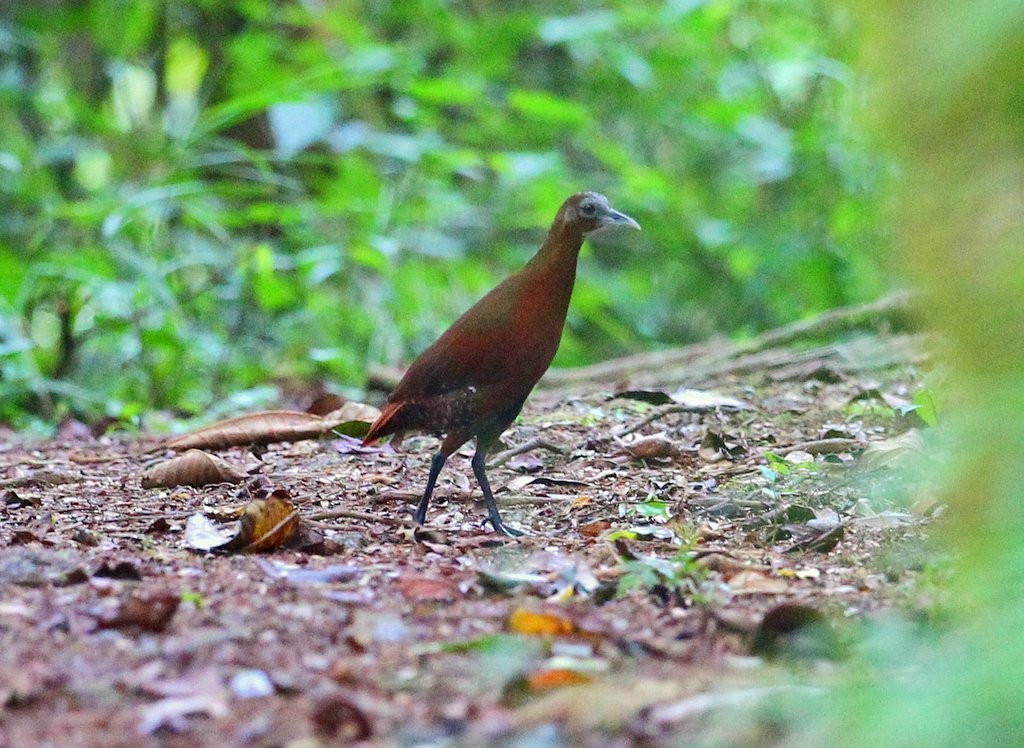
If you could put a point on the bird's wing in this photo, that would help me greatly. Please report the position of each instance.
(477, 350)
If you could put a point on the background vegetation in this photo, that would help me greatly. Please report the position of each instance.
(199, 198)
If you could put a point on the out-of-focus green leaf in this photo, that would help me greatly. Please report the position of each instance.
(217, 193)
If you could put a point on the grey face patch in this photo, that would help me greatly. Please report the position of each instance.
(592, 206)
(591, 212)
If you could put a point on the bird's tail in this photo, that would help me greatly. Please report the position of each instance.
(388, 422)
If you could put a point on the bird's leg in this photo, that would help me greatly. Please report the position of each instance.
(435, 469)
(492, 507)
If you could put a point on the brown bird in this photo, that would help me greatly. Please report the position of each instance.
(474, 379)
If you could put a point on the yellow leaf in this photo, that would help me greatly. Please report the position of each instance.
(531, 623)
(266, 524)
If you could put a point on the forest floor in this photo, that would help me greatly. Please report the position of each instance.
(687, 563)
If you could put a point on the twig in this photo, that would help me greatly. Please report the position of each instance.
(362, 516)
(158, 514)
(660, 412)
(467, 496)
(43, 478)
(536, 443)
(821, 446)
(84, 459)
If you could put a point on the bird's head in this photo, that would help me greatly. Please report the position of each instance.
(588, 212)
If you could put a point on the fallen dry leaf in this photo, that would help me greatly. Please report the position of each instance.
(808, 572)
(423, 589)
(533, 623)
(594, 529)
(265, 524)
(715, 446)
(349, 444)
(707, 400)
(336, 717)
(171, 712)
(819, 541)
(124, 571)
(266, 427)
(303, 575)
(326, 403)
(194, 468)
(655, 447)
(722, 563)
(549, 678)
(889, 451)
(750, 582)
(652, 397)
(149, 611)
(202, 535)
(11, 501)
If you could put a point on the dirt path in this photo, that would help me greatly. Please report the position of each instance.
(629, 610)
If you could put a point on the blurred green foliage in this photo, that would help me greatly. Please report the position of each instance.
(952, 105)
(197, 198)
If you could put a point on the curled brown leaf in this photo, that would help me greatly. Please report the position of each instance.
(194, 468)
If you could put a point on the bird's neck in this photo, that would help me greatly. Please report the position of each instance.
(557, 256)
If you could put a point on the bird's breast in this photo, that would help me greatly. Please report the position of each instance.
(454, 410)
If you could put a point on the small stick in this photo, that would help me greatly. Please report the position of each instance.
(43, 477)
(362, 516)
(538, 442)
(469, 496)
(162, 514)
(821, 446)
(86, 459)
(660, 412)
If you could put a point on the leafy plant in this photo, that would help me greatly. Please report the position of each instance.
(197, 199)
(679, 576)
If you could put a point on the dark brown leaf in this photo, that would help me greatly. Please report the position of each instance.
(337, 718)
(122, 570)
(325, 403)
(11, 500)
(654, 397)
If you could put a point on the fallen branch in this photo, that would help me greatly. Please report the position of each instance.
(704, 360)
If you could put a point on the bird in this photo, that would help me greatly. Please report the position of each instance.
(473, 380)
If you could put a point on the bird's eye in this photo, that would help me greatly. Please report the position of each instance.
(588, 209)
